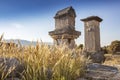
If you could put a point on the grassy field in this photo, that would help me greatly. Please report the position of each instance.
(43, 62)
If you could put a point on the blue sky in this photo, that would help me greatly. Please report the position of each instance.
(33, 19)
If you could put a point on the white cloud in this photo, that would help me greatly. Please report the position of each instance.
(17, 25)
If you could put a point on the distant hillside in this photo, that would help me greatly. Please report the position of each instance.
(25, 42)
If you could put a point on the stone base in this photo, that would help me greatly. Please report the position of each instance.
(95, 57)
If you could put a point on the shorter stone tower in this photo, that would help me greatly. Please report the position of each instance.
(92, 39)
(65, 32)
(92, 33)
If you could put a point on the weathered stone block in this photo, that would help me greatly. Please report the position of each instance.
(95, 57)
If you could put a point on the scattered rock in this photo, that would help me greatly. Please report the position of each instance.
(95, 57)
(98, 57)
(97, 71)
(13, 66)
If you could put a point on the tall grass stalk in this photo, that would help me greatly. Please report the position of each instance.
(43, 62)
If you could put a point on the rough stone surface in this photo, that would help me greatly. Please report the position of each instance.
(92, 33)
(116, 77)
(95, 57)
(65, 32)
(92, 39)
(14, 64)
(102, 72)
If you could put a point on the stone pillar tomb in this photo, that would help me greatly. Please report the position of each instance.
(65, 27)
(92, 39)
(92, 33)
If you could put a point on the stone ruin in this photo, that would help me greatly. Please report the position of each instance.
(65, 32)
(92, 33)
(92, 39)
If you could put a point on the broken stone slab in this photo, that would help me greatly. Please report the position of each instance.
(97, 71)
(96, 66)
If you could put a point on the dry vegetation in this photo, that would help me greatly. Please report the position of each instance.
(112, 60)
(112, 54)
(42, 62)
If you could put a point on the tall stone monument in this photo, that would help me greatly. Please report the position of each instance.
(65, 32)
(92, 39)
(92, 33)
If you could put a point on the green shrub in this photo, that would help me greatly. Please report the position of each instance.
(115, 46)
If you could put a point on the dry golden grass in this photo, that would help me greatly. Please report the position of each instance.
(43, 62)
(112, 60)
